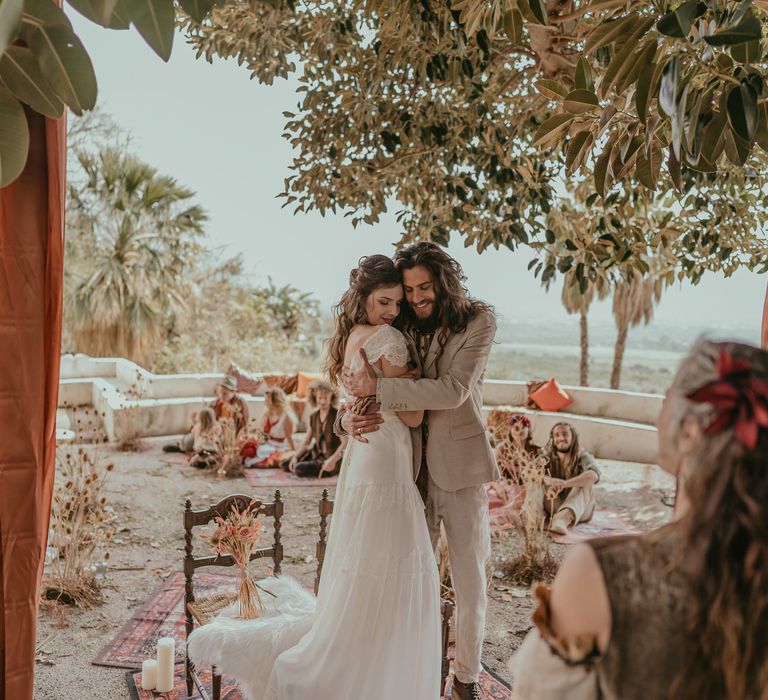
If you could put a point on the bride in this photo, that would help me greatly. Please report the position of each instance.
(376, 630)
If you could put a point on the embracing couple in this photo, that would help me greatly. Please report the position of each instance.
(412, 342)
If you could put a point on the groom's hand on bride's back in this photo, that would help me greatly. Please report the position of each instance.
(358, 425)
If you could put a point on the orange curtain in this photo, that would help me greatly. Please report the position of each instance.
(31, 279)
(765, 321)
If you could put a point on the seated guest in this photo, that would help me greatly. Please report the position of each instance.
(515, 447)
(680, 612)
(568, 496)
(277, 428)
(322, 450)
(227, 404)
(206, 433)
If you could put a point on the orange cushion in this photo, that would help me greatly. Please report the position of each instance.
(551, 396)
(305, 379)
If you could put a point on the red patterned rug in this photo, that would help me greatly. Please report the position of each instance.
(277, 478)
(493, 687)
(161, 616)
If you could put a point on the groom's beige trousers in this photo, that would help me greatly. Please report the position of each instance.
(466, 518)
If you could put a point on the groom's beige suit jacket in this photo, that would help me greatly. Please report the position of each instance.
(458, 452)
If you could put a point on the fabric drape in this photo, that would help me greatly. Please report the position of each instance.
(764, 335)
(31, 279)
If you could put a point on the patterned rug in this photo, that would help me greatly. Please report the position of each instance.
(162, 615)
(493, 687)
(276, 478)
(604, 523)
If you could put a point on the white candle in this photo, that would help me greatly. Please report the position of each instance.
(166, 653)
(149, 674)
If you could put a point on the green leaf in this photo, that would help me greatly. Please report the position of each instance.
(622, 61)
(643, 92)
(552, 129)
(551, 89)
(601, 169)
(713, 137)
(44, 12)
(749, 52)
(537, 10)
(608, 32)
(155, 20)
(10, 19)
(21, 74)
(99, 11)
(577, 150)
(647, 55)
(668, 91)
(14, 138)
(513, 25)
(121, 15)
(761, 135)
(736, 149)
(678, 23)
(66, 65)
(584, 75)
(649, 169)
(675, 170)
(580, 101)
(748, 29)
(742, 110)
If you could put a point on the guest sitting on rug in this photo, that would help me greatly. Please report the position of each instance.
(680, 612)
(277, 428)
(322, 450)
(226, 404)
(206, 434)
(516, 446)
(568, 495)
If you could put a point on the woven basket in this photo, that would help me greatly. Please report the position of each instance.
(205, 609)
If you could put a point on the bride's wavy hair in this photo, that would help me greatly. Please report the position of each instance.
(372, 273)
(455, 307)
(724, 552)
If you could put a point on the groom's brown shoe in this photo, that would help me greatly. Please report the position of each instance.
(466, 691)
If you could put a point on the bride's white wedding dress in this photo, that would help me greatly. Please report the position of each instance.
(375, 632)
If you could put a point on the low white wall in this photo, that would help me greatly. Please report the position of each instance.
(587, 401)
(612, 424)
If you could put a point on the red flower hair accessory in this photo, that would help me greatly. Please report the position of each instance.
(519, 418)
(739, 398)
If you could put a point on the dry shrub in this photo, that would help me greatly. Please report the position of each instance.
(229, 463)
(534, 561)
(81, 527)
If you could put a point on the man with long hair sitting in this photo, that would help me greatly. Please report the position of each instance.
(568, 497)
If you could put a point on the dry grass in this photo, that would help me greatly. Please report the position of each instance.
(81, 527)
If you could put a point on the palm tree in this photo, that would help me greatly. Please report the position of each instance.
(576, 301)
(634, 299)
(132, 241)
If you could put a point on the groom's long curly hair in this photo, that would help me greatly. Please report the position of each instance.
(372, 273)
(455, 308)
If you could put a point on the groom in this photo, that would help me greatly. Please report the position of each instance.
(450, 335)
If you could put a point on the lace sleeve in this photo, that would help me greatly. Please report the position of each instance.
(389, 343)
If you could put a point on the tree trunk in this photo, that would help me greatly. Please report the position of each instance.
(584, 364)
(618, 355)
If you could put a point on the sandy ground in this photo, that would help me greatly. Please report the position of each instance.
(148, 497)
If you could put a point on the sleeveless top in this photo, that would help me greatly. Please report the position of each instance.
(647, 593)
(275, 431)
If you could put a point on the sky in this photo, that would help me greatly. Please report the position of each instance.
(219, 133)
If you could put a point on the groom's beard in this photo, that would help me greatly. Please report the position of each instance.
(425, 325)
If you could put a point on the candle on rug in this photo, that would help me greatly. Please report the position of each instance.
(149, 674)
(166, 653)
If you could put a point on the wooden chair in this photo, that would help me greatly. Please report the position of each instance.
(204, 610)
(446, 607)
